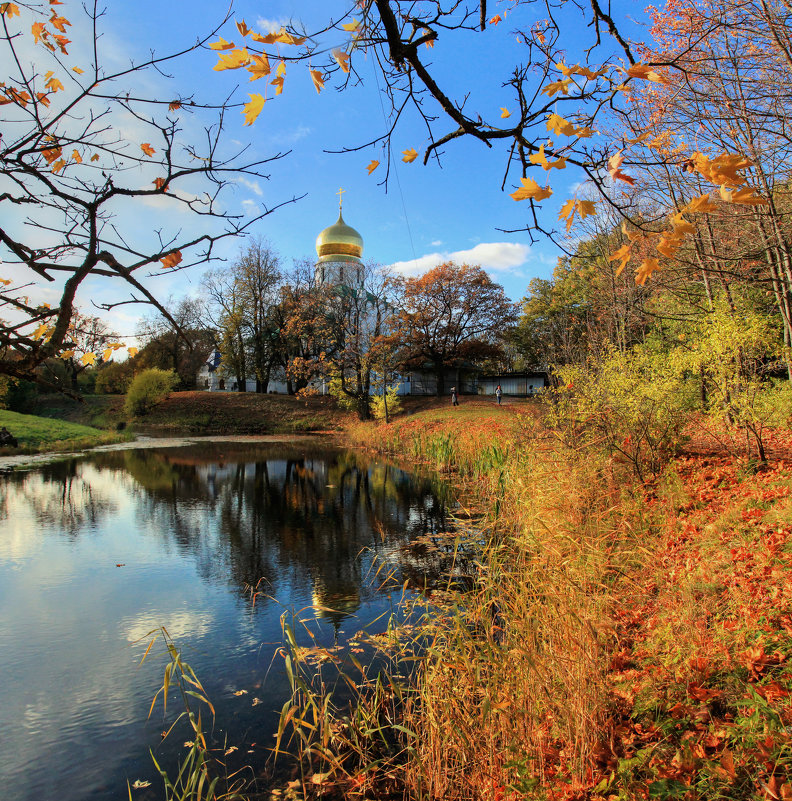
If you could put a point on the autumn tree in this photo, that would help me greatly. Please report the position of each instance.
(346, 334)
(178, 340)
(87, 145)
(451, 315)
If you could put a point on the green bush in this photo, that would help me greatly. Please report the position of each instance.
(147, 389)
(635, 404)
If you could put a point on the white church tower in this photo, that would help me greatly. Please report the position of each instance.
(339, 249)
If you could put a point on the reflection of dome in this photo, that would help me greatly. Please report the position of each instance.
(339, 242)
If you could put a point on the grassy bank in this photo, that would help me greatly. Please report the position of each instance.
(37, 434)
(625, 640)
(240, 413)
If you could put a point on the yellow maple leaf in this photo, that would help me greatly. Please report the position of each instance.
(746, 196)
(496, 19)
(43, 99)
(278, 84)
(318, 80)
(160, 183)
(567, 213)
(409, 155)
(5, 281)
(342, 59)
(681, 225)
(66, 354)
(41, 331)
(222, 44)
(264, 39)
(54, 85)
(174, 105)
(259, 66)
(556, 87)
(284, 37)
(95, 157)
(530, 190)
(233, 60)
(253, 108)
(280, 70)
(647, 73)
(76, 157)
(648, 266)
(373, 164)
(669, 244)
(505, 113)
(78, 70)
(242, 28)
(623, 255)
(583, 208)
(147, 149)
(541, 159)
(88, 358)
(723, 169)
(172, 259)
(58, 165)
(558, 125)
(9, 10)
(701, 203)
(351, 26)
(107, 353)
(132, 352)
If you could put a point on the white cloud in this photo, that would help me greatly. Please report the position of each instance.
(253, 186)
(269, 25)
(496, 257)
(436, 243)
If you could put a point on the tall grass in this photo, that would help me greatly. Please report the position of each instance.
(510, 688)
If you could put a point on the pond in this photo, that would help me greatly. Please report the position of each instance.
(100, 550)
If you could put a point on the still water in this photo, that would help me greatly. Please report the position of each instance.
(98, 551)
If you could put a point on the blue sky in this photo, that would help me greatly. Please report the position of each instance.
(425, 215)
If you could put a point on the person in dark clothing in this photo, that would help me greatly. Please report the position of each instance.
(498, 393)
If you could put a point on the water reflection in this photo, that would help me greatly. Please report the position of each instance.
(95, 552)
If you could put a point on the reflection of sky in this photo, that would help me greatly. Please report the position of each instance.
(73, 695)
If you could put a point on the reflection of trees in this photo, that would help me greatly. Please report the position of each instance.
(64, 495)
(287, 515)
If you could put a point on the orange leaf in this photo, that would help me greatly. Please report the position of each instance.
(242, 28)
(253, 108)
(373, 164)
(259, 67)
(175, 105)
(530, 190)
(76, 157)
(351, 26)
(9, 10)
(278, 84)
(614, 163)
(558, 125)
(39, 31)
(701, 203)
(172, 259)
(555, 87)
(52, 154)
(647, 73)
(78, 70)
(648, 266)
(88, 358)
(147, 149)
(95, 157)
(318, 80)
(221, 44)
(409, 155)
(505, 113)
(623, 254)
(161, 183)
(342, 59)
(232, 61)
(496, 19)
(132, 352)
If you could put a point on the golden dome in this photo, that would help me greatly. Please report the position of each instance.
(339, 242)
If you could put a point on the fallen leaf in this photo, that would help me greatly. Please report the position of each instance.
(373, 164)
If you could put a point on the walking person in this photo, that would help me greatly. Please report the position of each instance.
(498, 393)
(454, 398)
